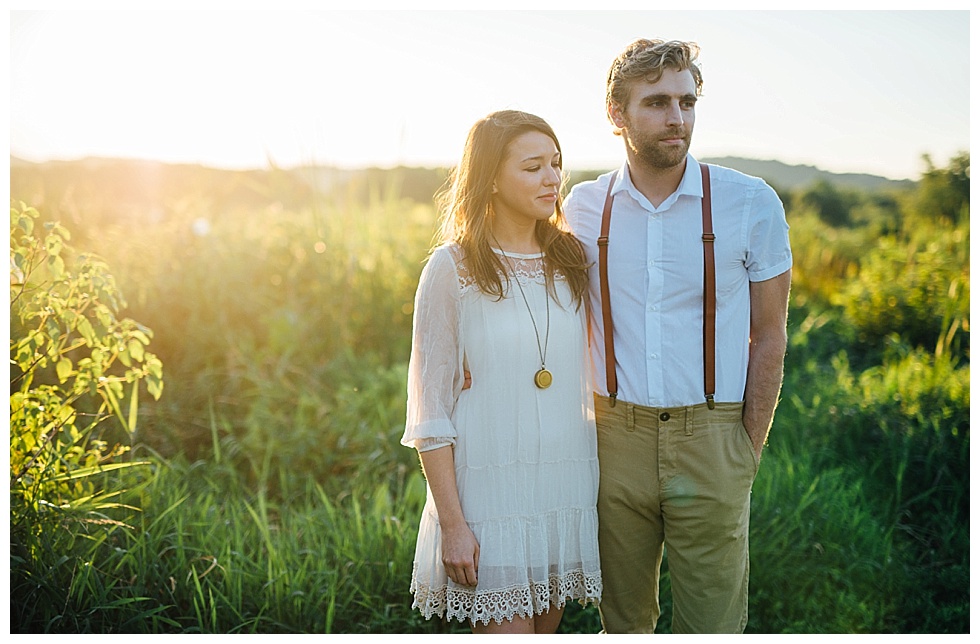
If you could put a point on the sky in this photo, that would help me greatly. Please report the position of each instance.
(844, 90)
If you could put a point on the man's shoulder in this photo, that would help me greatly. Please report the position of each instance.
(722, 173)
(589, 191)
(734, 184)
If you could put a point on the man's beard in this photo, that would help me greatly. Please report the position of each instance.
(652, 153)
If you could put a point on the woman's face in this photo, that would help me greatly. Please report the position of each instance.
(526, 187)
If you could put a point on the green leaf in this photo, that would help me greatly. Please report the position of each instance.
(133, 407)
(58, 229)
(26, 222)
(51, 330)
(86, 330)
(53, 244)
(154, 386)
(17, 262)
(135, 349)
(154, 365)
(98, 469)
(106, 318)
(57, 266)
(112, 398)
(25, 354)
(64, 368)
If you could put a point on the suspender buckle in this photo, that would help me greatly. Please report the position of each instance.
(710, 398)
(708, 237)
(603, 240)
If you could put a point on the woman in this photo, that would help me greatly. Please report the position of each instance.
(508, 532)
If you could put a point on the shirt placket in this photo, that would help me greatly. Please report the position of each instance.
(653, 309)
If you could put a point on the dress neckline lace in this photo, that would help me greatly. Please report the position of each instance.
(507, 253)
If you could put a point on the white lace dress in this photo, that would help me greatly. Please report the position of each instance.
(525, 458)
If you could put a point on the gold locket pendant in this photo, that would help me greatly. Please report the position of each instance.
(542, 378)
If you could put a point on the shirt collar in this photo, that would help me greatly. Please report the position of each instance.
(690, 185)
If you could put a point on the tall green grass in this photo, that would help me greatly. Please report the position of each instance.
(208, 557)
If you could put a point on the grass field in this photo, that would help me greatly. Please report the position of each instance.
(268, 491)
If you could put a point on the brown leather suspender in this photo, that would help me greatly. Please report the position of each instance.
(708, 239)
(603, 242)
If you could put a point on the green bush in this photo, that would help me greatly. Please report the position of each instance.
(944, 193)
(74, 365)
(918, 290)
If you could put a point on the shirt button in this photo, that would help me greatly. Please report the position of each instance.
(665, 416)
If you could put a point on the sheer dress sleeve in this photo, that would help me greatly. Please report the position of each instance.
(435, 369)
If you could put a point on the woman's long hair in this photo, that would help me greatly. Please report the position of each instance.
(467, 213)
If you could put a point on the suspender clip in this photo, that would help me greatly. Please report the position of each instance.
(612, 400)
(710, 398)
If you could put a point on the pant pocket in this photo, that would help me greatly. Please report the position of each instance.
(742, 436)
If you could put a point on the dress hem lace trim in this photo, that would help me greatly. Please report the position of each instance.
(465, 604)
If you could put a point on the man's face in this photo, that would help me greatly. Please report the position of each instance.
(658, 119)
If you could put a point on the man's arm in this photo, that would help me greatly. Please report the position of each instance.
(769, 301)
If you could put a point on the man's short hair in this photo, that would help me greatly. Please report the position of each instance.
(647, 59)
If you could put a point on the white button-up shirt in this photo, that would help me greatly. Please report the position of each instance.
(656, 273)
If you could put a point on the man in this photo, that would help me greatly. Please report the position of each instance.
(677, 456)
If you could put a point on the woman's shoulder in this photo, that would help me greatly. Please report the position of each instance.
(450, 259)
(445, 257)
(443, 264)
(448, 251)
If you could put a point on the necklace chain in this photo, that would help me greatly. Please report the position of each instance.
(543, 354)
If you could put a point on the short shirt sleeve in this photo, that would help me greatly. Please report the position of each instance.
(769, 251)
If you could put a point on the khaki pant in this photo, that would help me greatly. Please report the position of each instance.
(677, 480)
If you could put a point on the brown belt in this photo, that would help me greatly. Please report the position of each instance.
(708, 239)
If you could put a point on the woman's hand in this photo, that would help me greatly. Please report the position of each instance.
(460, 554)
